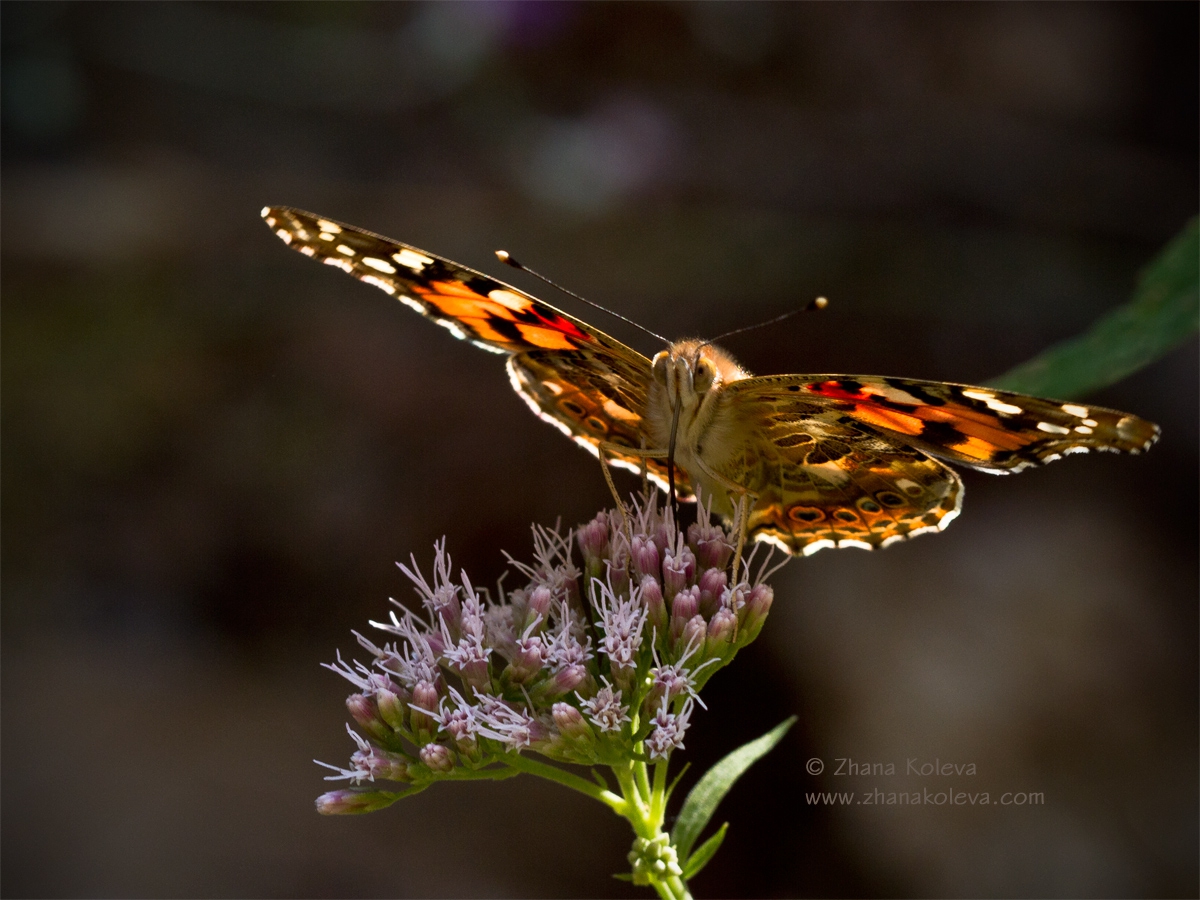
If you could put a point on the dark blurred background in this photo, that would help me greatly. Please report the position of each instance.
(215, 449)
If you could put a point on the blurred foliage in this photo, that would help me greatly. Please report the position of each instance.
(1164, 311)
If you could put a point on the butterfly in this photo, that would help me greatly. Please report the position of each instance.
(809, 461)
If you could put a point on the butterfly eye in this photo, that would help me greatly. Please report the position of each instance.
(704, 375)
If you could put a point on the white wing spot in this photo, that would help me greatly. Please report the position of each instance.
(410, 259)
(339, 263)
(307, 251)
(1090, 423)
(553, 387)
(284, 235)
(979, 395)
(1078, 448)
(812, 548)
(379, 283)
(453, 327)
(617, 411)
(1052, 429)
(263, 212)
(329, 227)
(345, 251)
(1072, 409)
(509, 299)
(772, 540)
(325, 236)
(412, 304)
(846, 543)
(379, 265)
(1001, 406)
(1083, 429)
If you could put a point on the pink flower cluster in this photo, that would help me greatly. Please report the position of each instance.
(592, 664)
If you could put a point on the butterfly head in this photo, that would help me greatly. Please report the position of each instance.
(689, 371)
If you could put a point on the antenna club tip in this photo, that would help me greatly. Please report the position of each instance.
(820, 303)
(505, 257)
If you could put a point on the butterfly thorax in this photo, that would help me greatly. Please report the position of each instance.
(686, 393)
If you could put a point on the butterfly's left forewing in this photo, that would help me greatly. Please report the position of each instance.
(840, 460)
(984, 428)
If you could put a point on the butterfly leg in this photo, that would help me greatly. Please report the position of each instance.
(621, 450)
(746, 499)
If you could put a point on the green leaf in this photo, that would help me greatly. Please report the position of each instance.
(1164, 311)
(704, 853)
(711, 789)
(675, 781)
(623, 876)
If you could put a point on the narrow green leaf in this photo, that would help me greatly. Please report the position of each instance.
(709, 790)
(675, 781)
(1164, 311)
(623, 876)
(704, 853)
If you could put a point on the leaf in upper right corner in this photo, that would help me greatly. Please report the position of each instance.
(702, 802)
(1164, 311)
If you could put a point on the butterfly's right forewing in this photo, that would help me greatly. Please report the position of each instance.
(587, 384)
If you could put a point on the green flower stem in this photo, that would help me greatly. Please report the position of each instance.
(519, 763)
(643, 782)
(646, 811)
(636, 801)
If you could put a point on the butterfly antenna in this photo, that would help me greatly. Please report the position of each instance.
(818, 303)
(504, 257)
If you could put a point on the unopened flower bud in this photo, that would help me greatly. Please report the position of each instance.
(712, 584)
(693, 633)
(722, 629)
(754, 614)
(345, 802)
(593, 538)
(476, 673)
(569, 678)
(378, 764)
(363, 710)
(685, 605)
(656, 606)
(425, 697)
(526, 663)
(539, 607)
(653, 860)
(618, 573)
(393, 707)
(571, 723)
(711, 546)
(644, 553)
(437, 757)
(677, 571)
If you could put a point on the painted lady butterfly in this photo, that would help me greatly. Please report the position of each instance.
(819, 460)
